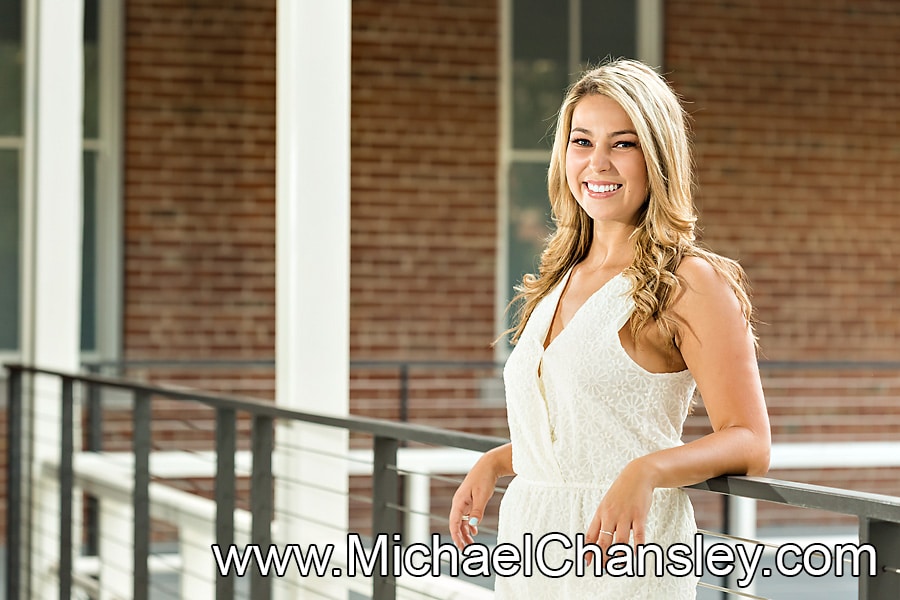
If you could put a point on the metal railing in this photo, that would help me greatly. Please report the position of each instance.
(878, 516)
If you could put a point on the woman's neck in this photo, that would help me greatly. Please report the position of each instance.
(611, 247)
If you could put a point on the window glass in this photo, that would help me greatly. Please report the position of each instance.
(89, 189)
(11, 61)
(89, 255)
(608, 29)
(539, 69)
(528, 219)
(539, 73)
(91, 69)
(11, 117)
(9, 250)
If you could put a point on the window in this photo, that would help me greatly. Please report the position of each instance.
(546, 44)
(99, 176)
(11, 77)
(92, 144)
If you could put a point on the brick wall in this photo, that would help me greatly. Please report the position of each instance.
(424, 192)
(200, 116)
(794, 105)
(798, 168)
(199, 179)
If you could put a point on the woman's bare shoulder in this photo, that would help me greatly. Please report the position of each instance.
(699, 275)
(707, 301)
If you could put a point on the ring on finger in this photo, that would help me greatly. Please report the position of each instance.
(465, 517)
(609, 533)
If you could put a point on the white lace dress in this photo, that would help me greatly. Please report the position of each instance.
(573, 429)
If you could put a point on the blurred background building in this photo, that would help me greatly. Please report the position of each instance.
(797, 141)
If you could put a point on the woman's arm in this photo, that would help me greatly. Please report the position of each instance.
(475, 491)
(717, 346)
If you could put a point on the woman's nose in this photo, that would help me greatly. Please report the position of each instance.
(600, 159)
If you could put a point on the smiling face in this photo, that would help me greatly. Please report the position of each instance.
(605, 167)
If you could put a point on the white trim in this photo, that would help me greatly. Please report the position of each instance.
(108, 148)
(8, 356)
(574, 38)
(27, 252)
(55, 184)
(504, 159)
(27, 183)
(312, 244)
(109, 231)
(53, 246)
(650, 32)
(532, 156)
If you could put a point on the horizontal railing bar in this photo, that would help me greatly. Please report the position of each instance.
(393, 364)
(805, 495)
(757, 542)
(438, 477)
(409, 432)
(192, 362)
(860, 504)
(727, 536)
(875, 365)
(461, 364)
(718, 588)
(401, 508)
(363, 364)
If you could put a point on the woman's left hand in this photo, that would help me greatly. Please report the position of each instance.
(623, 510)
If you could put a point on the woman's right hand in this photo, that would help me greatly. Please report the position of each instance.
(475, 491)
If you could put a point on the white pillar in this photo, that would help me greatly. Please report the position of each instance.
(313, 272)
(52, 230)
(116, 557)
(743, 524)
(198, 568)
(418, 499)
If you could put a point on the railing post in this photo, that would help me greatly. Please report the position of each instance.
(141, 423)
(94, 444)
(262, 505)
(66, 479)
(385, 518)
(885, 537)
(14, 483)
(404, 392)
(226, 432)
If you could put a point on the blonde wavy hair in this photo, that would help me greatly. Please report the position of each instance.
(665, 232)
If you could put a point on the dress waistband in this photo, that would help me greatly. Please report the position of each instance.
(600, 484)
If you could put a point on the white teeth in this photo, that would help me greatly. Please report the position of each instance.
(603, 188)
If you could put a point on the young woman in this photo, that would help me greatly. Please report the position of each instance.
(628, 316)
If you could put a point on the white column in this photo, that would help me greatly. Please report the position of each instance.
(313, 272)
(198, 567)
(650, 32)
(743, 524)
(116, 557)
(52, 230)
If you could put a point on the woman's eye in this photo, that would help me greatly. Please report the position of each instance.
(625, 145)
(580, 142)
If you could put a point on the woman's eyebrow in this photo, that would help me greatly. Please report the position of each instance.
(612, 135)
